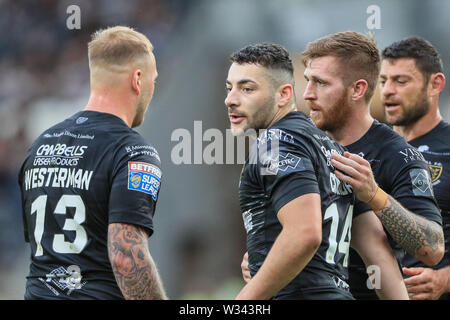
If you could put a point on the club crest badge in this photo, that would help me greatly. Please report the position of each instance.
(436, 172)
(81, 120)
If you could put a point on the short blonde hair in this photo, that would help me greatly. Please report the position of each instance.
(118, 46)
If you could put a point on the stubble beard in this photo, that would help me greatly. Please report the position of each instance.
(260, 119)
(140, 113)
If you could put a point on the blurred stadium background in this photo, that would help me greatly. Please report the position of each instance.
(199, 239)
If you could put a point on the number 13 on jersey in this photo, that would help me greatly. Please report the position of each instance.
(59, 244)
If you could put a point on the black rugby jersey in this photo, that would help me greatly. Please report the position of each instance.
(269, 182)
(79, 176)
(435, 147)
(401, 171)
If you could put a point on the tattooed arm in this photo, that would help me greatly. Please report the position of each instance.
(132, 264)
(418, 236)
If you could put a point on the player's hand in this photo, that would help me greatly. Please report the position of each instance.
(355, 171)
(244, 267)
(424, 283)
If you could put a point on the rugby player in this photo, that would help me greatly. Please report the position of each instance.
(411, 81)
(297, 214)
(90, 184)
(388, 175)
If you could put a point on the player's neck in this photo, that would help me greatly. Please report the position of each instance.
(106, 102)
(356, 126)
(281, 113)
(421, 126)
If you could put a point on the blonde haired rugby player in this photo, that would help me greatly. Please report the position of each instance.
(90, 184)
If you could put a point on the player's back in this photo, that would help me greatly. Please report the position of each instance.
(70, 181)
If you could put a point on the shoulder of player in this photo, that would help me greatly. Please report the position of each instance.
(280, 135)
(435, 142)
(389, 143)
(133, 146)
(382, 134)
(298, 127)
(445, 125)
(401, 160)
(56, 130)
(394, 154)
(400, 153)
(443, 132)
(293, 145)
(442, 129)
(284, 138)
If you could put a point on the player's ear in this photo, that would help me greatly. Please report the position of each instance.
(359, 89)
(136, 81)
(285, 94)
(437, 82)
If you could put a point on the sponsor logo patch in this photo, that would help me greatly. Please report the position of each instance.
(421, 182)
(283, 163)
(64, 280)
(290, 161)
(144, 177)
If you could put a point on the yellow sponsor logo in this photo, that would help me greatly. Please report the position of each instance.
(135, 180)
(436, 172)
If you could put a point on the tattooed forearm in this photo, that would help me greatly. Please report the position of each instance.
(418, 236)
(133, 267)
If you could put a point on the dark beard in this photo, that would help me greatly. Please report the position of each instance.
(414, 113)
